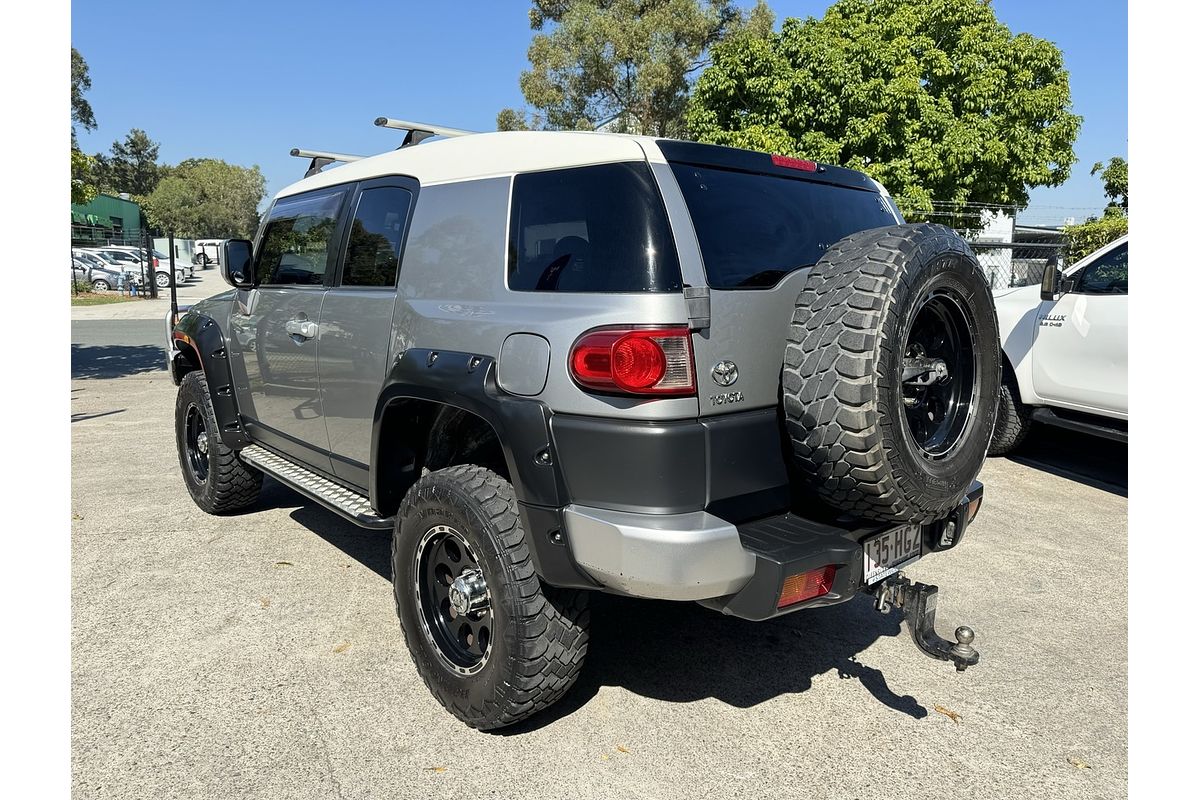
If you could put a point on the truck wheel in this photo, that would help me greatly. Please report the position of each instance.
(202, 260)
(891, 373)
(215, 477)
(491, 642)
(1013, 418)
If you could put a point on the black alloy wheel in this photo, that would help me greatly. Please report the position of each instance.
(939, 373)
(453, 598)
(196, 443)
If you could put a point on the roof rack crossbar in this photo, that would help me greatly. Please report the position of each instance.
(419, 131)
(322, 159)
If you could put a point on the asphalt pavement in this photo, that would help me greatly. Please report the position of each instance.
(258, 655)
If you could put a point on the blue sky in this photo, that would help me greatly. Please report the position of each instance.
(247, 81)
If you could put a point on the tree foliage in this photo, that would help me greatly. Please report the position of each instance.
(83, 182)
(1090, 236)
(1116, 181)
(206, 198)
(132, 165)
(624, 63)
(936, 99)
(81, 82)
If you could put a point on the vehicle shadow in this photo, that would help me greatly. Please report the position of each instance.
(1099, 463)
(115, 361)
(676, 652)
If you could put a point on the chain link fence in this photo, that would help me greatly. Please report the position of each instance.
(1008, 264)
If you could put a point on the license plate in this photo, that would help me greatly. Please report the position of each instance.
(886, 553)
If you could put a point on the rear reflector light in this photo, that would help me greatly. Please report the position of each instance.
(806, 586)
(794, 163)
(973, 508)
(654, 361)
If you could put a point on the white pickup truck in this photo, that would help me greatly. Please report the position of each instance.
(1066, 350)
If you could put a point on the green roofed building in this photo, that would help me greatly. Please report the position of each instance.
(106, 220)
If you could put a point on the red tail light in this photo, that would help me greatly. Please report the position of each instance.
(654, 361)
(806, 586)
(156, 262)
(794, 163)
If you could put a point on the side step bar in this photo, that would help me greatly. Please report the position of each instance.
(337, 498)
(1047, 416)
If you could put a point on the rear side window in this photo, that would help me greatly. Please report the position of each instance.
(298, 237)
(754, 229)
(375, 235)
(591, 229)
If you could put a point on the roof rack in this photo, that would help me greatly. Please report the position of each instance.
(322, 159)
(419, 131)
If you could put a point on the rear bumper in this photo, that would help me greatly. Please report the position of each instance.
(736, 569)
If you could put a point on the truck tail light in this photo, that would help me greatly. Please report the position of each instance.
(806, 586)
(653, 361)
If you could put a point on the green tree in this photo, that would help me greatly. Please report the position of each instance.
(83, 182)
(1090, 236)
(936, 99)
(624, 63)
(1116, 181)
(132, 165)
(206, 198)
(81, 109)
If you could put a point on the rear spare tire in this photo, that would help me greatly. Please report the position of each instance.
(891, 373)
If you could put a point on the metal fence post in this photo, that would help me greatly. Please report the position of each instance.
(150, 263)
(171, 256)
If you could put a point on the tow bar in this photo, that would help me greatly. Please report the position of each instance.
(919, 603)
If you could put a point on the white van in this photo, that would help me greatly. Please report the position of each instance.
(207, 251)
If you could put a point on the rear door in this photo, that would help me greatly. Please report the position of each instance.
(356, 321)
(277, 325)
(759, 227)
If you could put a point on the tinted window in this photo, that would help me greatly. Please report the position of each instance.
(297, 239)
(591, 229)
(1108, 274)
(375, 235)
(754, 229)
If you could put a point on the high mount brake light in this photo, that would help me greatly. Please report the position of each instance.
(648, 361)
(794, 163)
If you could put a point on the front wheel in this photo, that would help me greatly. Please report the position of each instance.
(101, 286)
(1013, 418)
(492, 643)
(216, 478)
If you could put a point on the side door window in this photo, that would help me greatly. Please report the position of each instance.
(1108, 274)
(298, 239)
(376, 232)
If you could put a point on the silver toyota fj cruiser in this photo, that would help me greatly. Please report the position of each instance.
(551, 363)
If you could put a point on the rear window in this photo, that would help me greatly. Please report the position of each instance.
(755, 229)
(591, 229)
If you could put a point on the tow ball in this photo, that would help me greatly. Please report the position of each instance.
(919, 603)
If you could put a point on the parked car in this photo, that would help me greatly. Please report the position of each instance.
(621, 364)
(101, 278)
(1066, 350)
(101, 273)
(131, 258)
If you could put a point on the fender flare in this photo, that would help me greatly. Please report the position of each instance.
(467, 381)
(203, 335)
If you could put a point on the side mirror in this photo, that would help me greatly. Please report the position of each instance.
(1051, 282)
(237, 263)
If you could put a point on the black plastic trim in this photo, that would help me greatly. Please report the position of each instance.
(201, 333)
(1115, 429)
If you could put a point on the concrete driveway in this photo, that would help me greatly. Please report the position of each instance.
(259, 656)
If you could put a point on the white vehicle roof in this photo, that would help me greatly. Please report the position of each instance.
(485, 155)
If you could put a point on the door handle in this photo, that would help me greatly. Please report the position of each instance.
(305, 329)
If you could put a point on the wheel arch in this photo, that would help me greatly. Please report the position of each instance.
(200, 345)
(438, 408)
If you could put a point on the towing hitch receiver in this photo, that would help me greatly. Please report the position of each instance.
(919, 603)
